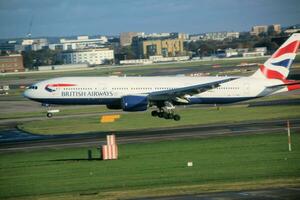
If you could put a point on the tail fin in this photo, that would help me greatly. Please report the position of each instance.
(278, 66)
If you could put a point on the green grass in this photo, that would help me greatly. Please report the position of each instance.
(143, 120)
(152, 167)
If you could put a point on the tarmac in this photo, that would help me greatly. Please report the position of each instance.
(287, 193)
(15, 140)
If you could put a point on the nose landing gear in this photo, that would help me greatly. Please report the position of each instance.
(50, 112)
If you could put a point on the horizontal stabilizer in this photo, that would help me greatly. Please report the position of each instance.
(285, 84)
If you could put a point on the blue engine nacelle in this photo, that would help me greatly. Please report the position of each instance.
(134, 103)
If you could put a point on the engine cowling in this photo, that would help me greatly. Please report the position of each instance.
(134, 103)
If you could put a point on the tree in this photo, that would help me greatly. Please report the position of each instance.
(266, 42)
(4, 53)
(128, 52)
(31, 59)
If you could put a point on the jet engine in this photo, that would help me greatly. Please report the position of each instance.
(134, 103)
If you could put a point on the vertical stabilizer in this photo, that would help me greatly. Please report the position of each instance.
(278, 66)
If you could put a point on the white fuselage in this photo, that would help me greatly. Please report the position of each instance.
(106, 90)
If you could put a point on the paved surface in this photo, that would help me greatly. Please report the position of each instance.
(287, 193)
(14, 140)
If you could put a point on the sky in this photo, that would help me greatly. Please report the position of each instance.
(110, 17)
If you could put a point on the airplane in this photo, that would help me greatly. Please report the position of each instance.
(165, 92)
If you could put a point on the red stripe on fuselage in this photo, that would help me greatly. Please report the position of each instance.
(60, 85)
(290, 48)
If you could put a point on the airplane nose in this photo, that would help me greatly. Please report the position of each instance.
(27, 94)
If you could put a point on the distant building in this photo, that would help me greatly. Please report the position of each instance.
(7, 46)
(256, 30)
(227, 53)
(183, 36)
(220, 36)
(154, 59)
(126, 37)
(89, 56)
(157, 35)
(194, 38)
(276, 28)
(11, 63)
(259, 51)
(34, 44)
(62, 67)
(24, 45)
(293, 29)
(81, 42)
(157, 47)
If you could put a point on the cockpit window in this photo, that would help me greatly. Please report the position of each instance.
(33, 87)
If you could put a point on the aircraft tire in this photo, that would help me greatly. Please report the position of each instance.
(176, 117)
(160, 114)
(154, 113)
(49, 115)
(166, 116)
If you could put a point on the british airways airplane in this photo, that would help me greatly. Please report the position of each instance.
(140, 93)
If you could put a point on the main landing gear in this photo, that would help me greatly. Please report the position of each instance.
(166, 112)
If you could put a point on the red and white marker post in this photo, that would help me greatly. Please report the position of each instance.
(289, 136)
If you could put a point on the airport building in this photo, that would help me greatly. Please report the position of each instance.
(256, 30)
(89, 56)
(126, 37)
(241, 52)
(81, 42)
(276, 28)
(34, 44)
(24, 45)
(220, 35)
(11, 63)
(146, 47)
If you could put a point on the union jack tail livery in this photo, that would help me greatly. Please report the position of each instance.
(278, 66)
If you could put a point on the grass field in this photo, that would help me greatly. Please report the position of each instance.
(143, 120)
(148, 169)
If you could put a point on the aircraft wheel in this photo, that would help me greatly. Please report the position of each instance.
(160, 114)
(154, 113)
(166, 116)
(170, 116)
(176, 117)
(49, 115)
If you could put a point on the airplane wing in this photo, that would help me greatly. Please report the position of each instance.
(180, 93)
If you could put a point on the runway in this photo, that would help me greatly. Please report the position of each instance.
(34, 142)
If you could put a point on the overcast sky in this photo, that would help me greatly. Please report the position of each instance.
(110, 17)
